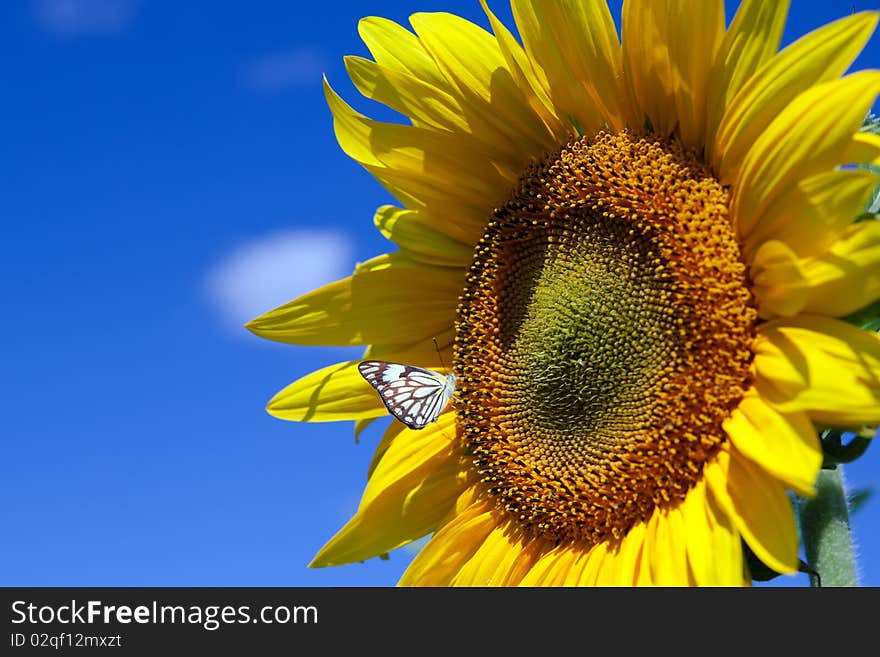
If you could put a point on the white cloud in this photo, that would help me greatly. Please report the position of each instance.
(287, 68)
(74, 18)
(272, 270)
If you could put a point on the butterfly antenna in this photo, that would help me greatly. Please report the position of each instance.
(437, 347)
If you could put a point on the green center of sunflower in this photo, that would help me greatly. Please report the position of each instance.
(603, 336)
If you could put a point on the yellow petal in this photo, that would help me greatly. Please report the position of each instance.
(398, 49)
(573, 574)
(669, 48)
(807, 215)
(501, 560)
(421, 166)
(576, 49)
(551, 568)
(536, 573)
(779, 286)
(714, 548)
(647, 571)
(695, 33)
(414, 453)
(412, 488)
(395, 429)
(424, 103)
(759, 507)
(864, 149)
(821, 55)
(442, 104)
(559, 574)
(628, 558)
(470, 58)
(422, 239)
(836, 282)
(646, 63)
(403, 301)
(452, 546)
(753, 38)
(361, 425)
(573, 571)
(668, 549)
(521, 562)
(810, 135)
(785, 445)
(527, 78)
(847, 276)
(823, 366)
(392, 431)
(604, 570)
(336, 392)
(595, 563)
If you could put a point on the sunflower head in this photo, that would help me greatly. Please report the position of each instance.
(640, 255)
(603, 336)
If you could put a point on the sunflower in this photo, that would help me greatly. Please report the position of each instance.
(637, 254)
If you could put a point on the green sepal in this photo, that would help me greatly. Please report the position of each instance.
(759, 571)
(871, 124)
(576, 124)
(867, 318)
(836, 451)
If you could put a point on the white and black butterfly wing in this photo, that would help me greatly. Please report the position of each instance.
(414, 395)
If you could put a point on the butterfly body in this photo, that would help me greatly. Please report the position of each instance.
(414, 395)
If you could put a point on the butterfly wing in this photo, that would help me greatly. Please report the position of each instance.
(414, 395)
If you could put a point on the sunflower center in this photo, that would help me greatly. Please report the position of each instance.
(603, 336)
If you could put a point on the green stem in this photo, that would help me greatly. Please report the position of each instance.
(825, 531)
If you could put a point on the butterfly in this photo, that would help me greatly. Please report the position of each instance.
(414, 395)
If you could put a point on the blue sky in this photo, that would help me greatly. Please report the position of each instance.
(169, 171)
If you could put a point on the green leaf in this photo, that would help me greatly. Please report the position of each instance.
(858, 498)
